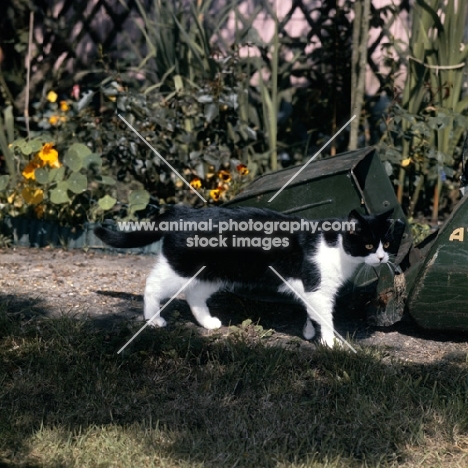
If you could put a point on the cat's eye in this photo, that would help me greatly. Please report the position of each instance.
(386, 245)
(369, 246)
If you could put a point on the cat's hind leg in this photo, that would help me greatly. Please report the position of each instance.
(196, 296)
(163, 282)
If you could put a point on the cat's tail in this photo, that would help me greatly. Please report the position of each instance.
(127, 240)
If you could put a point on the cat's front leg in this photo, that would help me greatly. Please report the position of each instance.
(319, 309)
(196, 297)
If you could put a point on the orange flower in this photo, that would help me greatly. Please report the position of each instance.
(49, 155)
(54, 119)
(64, 107)
(28, 171)
(225, 176)
(196, 183)
(242, 169)
(215, 194)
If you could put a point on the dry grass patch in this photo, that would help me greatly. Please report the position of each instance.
(179, 399)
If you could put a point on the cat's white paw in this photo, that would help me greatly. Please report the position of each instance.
(327, 339)
(211, 323)
(156, 322)
(309, 330)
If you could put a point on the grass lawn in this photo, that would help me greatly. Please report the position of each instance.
(176, 398)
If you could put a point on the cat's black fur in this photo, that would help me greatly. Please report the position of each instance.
(301, 257)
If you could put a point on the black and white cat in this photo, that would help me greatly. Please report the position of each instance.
(315, 264)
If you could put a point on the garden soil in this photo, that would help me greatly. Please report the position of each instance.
(107, 288)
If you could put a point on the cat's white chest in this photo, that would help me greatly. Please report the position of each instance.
(335, 265)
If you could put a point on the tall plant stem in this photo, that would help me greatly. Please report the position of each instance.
(415, 196)
(274, 98)
(28, 73)
(359, 62)
(401, 184)
(435, 204)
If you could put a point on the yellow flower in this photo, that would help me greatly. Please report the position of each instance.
(242, 169)
(32, 196)
(49, 155)
(196, 183)
(55, 163)
(225, 176)
(54, 119)
(64, 107)
(215, 194)
(52, 96)
(406, 162)
(28, 171)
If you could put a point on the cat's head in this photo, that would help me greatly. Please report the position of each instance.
(371, 237)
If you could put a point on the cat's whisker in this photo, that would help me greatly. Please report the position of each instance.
(364, 274)
(390, 268)
(371, 271)
(392, 258)
(358, 276)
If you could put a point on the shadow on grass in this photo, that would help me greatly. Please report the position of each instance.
(213, 399)
(279, 313)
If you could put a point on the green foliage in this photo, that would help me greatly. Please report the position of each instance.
(51, 189)
(211, 105)
(424, 131)
(220, 106)
(7, 135)
(52, 176)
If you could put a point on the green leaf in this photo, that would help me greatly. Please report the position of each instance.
(77, 183)
(42, 175)
(59, 194)
(18, 142)
(73, 161)
(138, 197)
(26, 148)
(106, 180)
(36, 144)
(92, 159)
(4, 179)
(9, 123)
(106, 202)
(79, 149)
(463, 104)
(138, 200)
(178, 83)
(56, 174)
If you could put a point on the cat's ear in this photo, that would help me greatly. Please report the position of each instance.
(355, 220)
